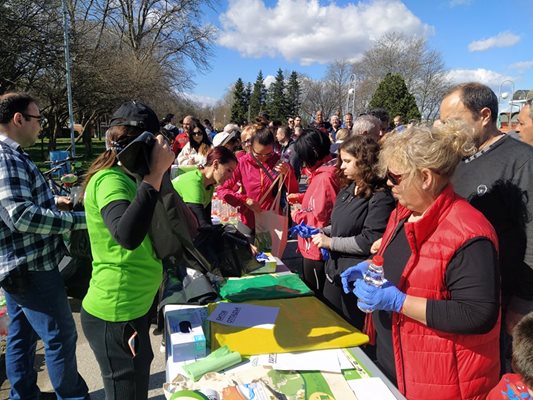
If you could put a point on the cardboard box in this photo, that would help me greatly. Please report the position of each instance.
(270, 266)
(185, 337)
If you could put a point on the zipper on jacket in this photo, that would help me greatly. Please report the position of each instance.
(401, 353)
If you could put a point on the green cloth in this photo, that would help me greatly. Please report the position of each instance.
(191, 188)
(262, 287)
(124, 282)
(218, 360)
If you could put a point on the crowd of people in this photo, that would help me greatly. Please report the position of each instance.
(446, 205)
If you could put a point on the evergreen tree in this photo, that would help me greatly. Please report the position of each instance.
(276, 101)
(239, 108)
(293, 95)
(248, 96)
(392, 95)
(258, 97)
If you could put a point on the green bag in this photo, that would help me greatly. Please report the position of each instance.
(262, 287)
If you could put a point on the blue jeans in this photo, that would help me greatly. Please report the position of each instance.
(42, 311)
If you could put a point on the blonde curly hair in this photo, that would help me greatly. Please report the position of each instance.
(438, 148)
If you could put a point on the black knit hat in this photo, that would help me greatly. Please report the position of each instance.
(137, 114)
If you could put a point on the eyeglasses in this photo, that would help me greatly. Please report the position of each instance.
(197, 134)
(262, 155)
(37, 117)
(395, 179)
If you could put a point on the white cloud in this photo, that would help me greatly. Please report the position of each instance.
(523, 65)
(308, 32)
(204, 101)
(481, 75)
(502, 39)
(269, 80)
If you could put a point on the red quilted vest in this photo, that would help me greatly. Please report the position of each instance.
(432, 364)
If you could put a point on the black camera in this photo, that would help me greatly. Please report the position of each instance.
(135, 157)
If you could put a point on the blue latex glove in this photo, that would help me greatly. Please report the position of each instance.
(303, 230)
(352, 274)
(386, 298)
(306, 232)
(261, 257)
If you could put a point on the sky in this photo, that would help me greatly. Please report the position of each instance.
(488, 41)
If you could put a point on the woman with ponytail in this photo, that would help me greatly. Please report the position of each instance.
(126, 274)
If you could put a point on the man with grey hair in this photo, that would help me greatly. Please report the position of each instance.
(525, 123)
(335, 126)
(367, 125)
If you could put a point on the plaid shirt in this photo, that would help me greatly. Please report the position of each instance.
(31, 226)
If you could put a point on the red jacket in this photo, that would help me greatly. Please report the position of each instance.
(179, 142)
(317, 204)
(253, 183)
(432, 364)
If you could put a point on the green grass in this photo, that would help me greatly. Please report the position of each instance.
(39, 152)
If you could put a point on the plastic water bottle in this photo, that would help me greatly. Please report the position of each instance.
(373, 276)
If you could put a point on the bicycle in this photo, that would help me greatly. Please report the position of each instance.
(76, 267)
(67, 181)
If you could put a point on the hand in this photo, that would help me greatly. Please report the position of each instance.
(162, 156)
(511, 319)
(386, 298)
(321, 240)
(352, 274)
(255, 250)
(282, 167)
(161, 159)
(293, 198)
(64, 203)
(375, 246)
(253, 205)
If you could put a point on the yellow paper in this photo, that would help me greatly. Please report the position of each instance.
(303, 323)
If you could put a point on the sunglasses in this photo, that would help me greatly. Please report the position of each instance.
(197, 134)
(395, 179)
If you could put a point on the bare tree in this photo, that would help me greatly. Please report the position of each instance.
(318, 95)
(31, 42)
(170, 32)
(338, 76)
(421, 68)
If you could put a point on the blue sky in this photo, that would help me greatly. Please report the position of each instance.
(484, 40)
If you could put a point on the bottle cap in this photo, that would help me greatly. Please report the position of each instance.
(377, 260)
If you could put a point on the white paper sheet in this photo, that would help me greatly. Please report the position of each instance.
(371, 389)
(244, 315)
(317, 360)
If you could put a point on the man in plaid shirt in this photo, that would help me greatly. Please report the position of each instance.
(31, 246)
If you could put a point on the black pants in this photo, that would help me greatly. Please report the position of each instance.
(314, 275)
(344, 304)
(125, 375)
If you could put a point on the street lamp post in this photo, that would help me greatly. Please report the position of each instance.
(350, 99)
(68, 78)
(504, 96)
